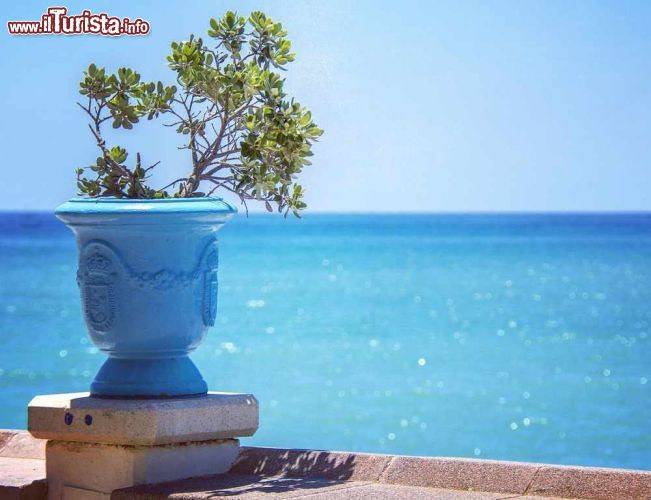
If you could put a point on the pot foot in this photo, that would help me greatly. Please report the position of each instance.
(148, 379)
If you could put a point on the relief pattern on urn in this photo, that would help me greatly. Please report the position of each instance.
(209, 302)
(96, 278)
(101, 267)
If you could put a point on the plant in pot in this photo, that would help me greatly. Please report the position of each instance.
(148, 257)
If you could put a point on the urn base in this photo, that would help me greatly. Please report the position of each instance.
(156, 378)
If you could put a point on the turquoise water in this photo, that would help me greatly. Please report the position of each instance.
(516, 337)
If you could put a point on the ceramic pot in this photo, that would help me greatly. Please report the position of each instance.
(148, 281)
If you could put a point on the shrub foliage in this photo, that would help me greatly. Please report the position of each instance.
(242, 132)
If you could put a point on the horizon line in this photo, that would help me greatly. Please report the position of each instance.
(6, 211)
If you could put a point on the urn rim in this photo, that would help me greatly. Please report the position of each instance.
(109, 209)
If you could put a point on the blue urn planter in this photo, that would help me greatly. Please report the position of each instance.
(148, 281)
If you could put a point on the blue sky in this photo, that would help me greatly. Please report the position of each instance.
(426, 106)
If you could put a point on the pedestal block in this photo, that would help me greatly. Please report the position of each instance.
(98, 445)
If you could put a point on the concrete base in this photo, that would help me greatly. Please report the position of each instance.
(97, 445)
(81, 418)
(77, 471)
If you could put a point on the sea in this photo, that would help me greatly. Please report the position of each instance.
(499, 336)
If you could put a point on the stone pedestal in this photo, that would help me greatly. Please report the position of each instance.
(98, 445)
